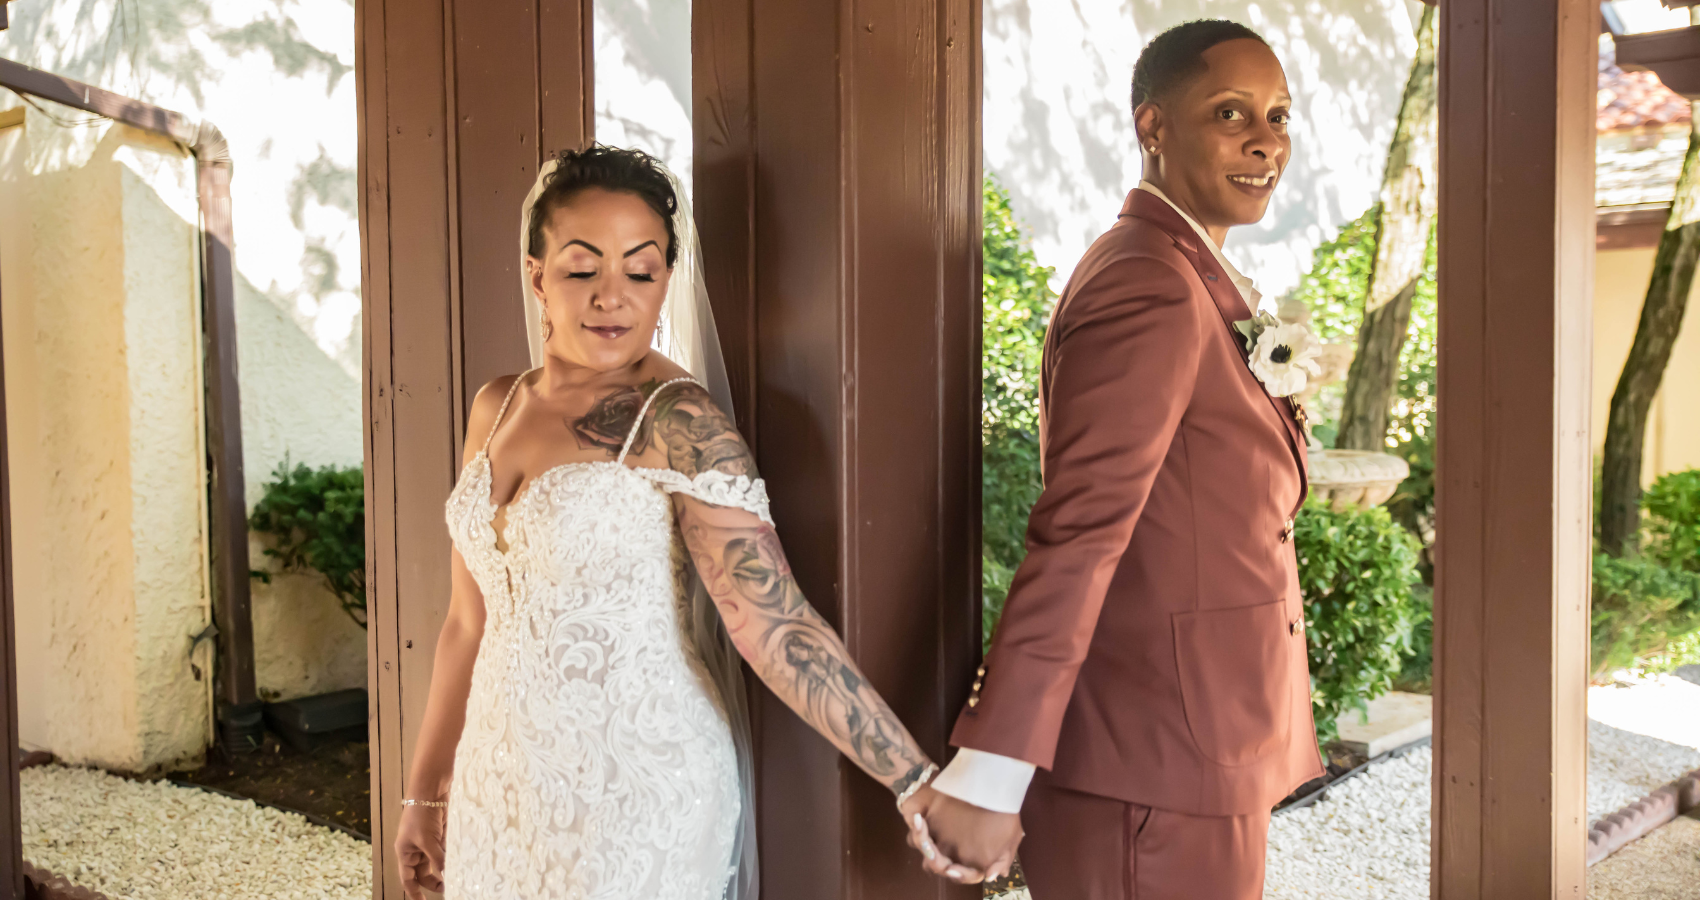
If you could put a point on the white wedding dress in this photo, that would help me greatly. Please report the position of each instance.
(597, 762)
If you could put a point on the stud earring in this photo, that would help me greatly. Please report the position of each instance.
(548, 329)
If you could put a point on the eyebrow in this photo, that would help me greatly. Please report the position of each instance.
(1287, 98)
(628, 253)
(581, 244)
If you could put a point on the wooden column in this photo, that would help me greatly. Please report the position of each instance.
(11, 819)
(1513, 459)
(458, 102)
(838, 194)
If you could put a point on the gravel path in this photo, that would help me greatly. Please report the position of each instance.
(1664, 865)
(1368, 841)
(137, 840)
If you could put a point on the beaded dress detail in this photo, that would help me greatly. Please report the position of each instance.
(596, 762)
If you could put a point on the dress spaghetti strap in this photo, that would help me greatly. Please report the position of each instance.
(644, 410)
(503, 411)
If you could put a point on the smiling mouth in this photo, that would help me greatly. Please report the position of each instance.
(1253, 180)
(608, 331)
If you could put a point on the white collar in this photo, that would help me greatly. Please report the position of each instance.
(1248, 291)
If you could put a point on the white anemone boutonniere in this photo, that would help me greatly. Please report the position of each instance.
(1283, 356)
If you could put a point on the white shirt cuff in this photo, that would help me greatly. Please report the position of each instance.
(987, 780)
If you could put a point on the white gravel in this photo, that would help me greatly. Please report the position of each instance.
(1367, 841)
(137, 840)
(1624, 766)
(1370, 838)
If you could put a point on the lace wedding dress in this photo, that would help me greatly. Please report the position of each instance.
(596, 762)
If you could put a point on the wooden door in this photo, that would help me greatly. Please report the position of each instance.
(837, 154)
(458, 102)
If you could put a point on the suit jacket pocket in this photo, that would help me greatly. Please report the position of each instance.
(1234, 676)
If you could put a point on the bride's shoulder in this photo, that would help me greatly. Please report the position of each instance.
(486, 404)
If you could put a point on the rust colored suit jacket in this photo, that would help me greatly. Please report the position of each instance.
(1152, 649)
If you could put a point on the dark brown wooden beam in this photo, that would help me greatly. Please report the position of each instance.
(11, 817)
(837, 155)
(1672, 55)
(227, 501)
(1513, 456)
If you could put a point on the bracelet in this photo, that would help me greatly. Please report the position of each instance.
(435, 804)
(926, 776)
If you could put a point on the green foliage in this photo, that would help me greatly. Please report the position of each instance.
(1640, 608)
(1672, 507)
(1334, 290)
(1016, 308)
(1646, 611)
(316, 522)
(1355, 573)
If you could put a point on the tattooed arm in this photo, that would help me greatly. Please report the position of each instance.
(788, 644)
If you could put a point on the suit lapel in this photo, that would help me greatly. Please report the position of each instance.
(1232, 308)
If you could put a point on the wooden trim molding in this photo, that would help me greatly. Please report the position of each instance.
(1513, 460)
(1632, 228)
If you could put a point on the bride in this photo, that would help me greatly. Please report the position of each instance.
(585, 733)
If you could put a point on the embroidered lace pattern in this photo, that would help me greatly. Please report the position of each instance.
(596, 762)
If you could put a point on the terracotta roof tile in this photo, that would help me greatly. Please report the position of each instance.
(1634, 99)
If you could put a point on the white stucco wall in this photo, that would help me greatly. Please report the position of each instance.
(276, 77)
(102, 335)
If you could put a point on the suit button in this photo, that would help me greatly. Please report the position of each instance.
(981, 672)
(1286, 531)
(1296, 626)
(973, 701)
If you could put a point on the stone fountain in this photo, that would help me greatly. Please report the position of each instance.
(1343, 478)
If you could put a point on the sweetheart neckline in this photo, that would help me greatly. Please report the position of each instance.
(529, 486)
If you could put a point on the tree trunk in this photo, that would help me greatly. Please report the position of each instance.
(1655, 335)
(1409, 198)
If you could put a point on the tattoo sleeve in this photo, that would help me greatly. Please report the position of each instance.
(788, 644)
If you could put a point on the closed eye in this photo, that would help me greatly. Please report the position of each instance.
(639, 276)
(581, 274)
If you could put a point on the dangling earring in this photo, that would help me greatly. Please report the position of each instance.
(548, 329)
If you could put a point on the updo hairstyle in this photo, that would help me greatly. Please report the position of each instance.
(609, 168)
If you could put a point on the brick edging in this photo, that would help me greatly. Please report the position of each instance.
(1612, 832)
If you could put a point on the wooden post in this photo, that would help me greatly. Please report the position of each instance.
(838, 194)
(11, 817)
(458, 102)
(1513, 453)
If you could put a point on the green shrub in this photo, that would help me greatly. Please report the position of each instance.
(1334, 291)
(1672, 507)
(315, 520)
(1640, 608)
(1355, 574)
(1016, 308)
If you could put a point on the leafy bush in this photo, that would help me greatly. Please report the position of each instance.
(1334, 291)
(1016, 308)
(1647, 606)
(1355, 573)
(316, 522)
(1672, 506)
(1640, 608)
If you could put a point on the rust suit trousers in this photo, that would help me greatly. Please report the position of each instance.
(1086, 847)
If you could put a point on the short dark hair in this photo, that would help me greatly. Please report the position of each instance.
(609, 168)
(1177, 56)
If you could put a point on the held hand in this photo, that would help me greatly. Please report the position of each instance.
(419, 850)
(971, 844)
